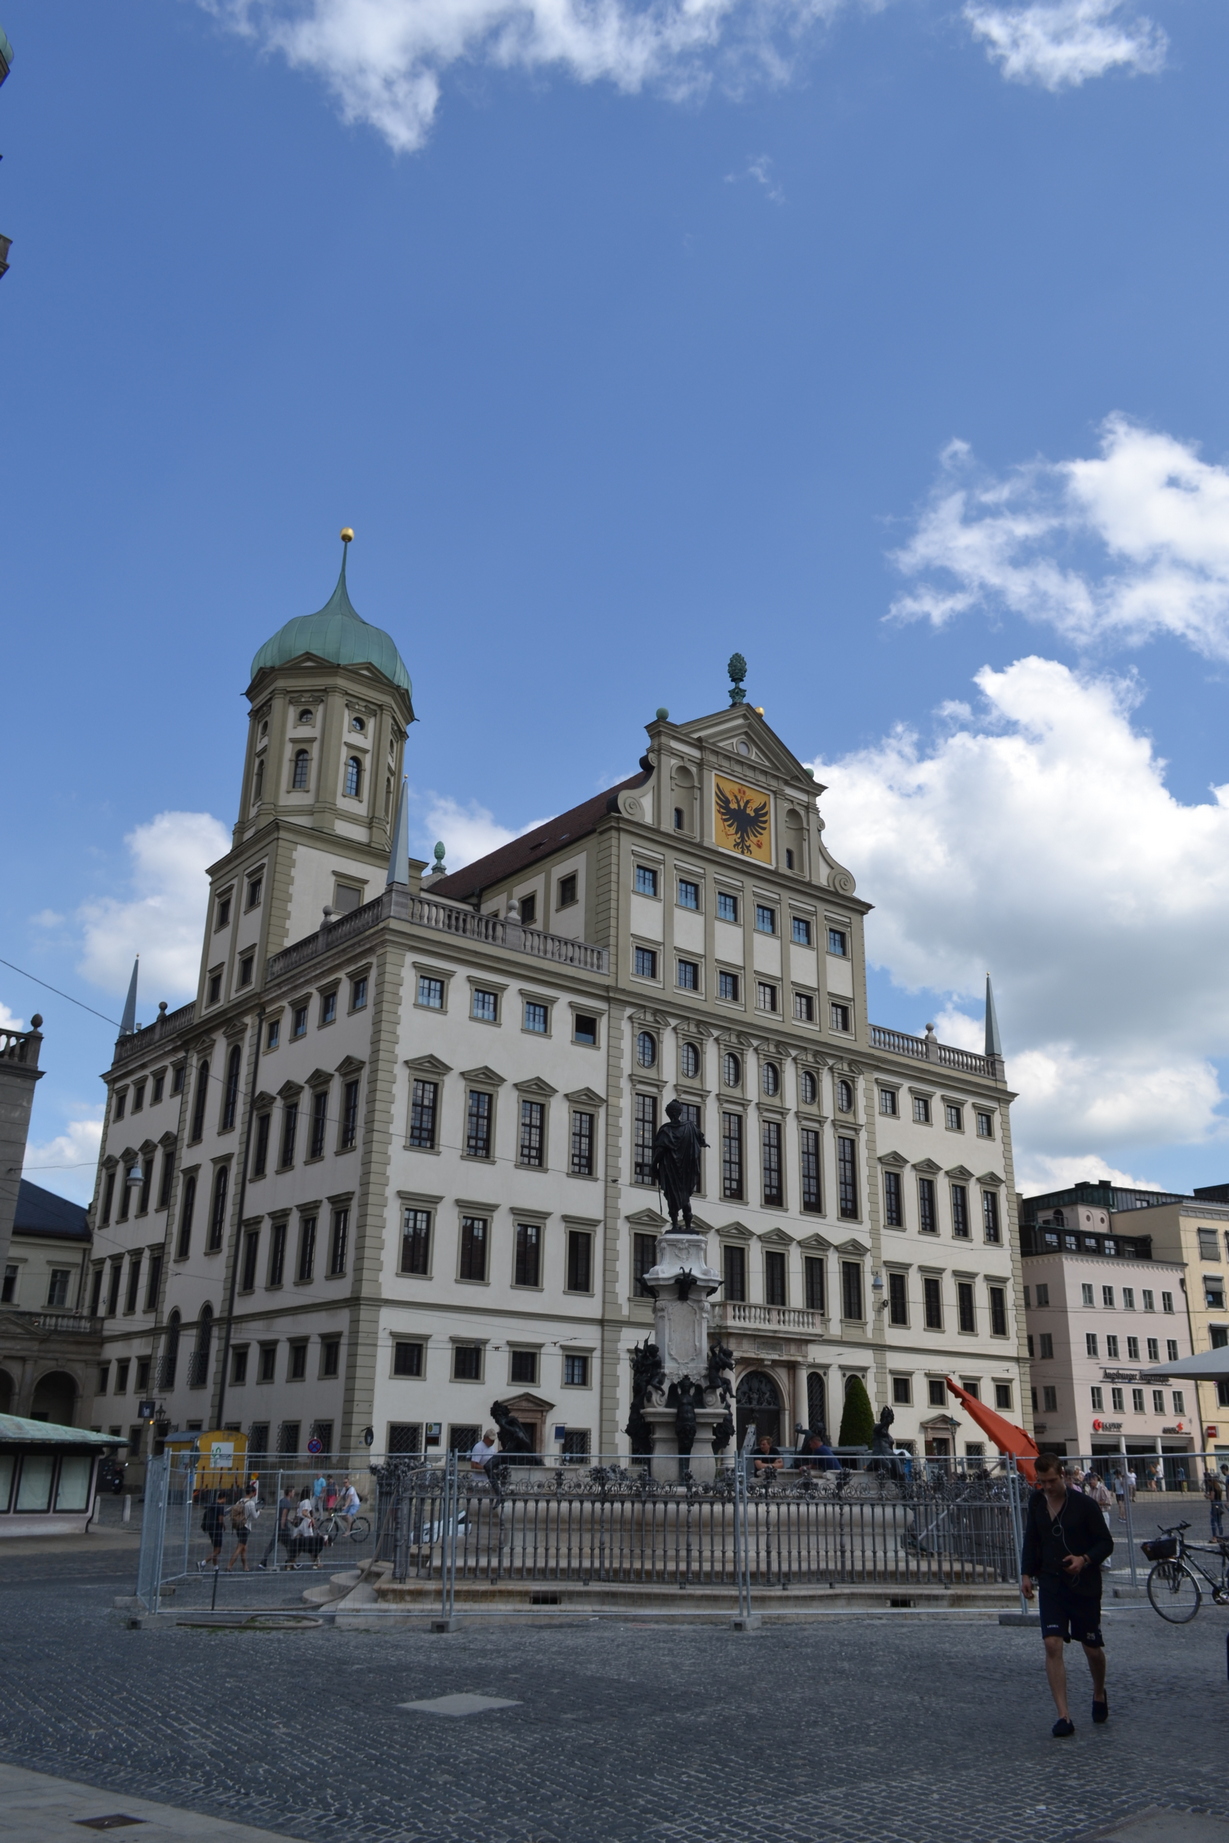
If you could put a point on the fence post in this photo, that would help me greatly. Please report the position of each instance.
(1129, 1508)
(153, 1525)
(1017, 1520)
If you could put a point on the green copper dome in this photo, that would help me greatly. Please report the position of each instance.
(337, 633)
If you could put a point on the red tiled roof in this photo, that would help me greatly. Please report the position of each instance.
(532, 847)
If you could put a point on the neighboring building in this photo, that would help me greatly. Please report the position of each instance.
(393, 1159)
(19, 1071)
(48, 1346)
(1100, 1310)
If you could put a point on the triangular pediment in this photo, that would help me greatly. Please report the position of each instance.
(927, 1167)
(850, 1247)
(992, 1178)
(168, 1142)
(289, 1090)
(705, 1228)
(893, 1161)
(525, 1403)
(776, 1238)
(647, 1219)
(742, 723)
(586, 1097)
(428, 1065)
(644, 1014)
(736, 1231)
(486, 1078)
(264, 1099)
(319, 1078)
(960, 1172)
(816, 1243)
(350, 1065)
(536, 1089)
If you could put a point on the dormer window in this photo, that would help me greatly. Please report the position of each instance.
(302, 768)
(354, 778)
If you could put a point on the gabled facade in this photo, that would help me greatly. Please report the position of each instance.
(395, 1156)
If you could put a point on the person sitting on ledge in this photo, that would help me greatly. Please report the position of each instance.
(767, 1458)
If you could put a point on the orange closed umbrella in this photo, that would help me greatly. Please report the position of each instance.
(1006, 1435)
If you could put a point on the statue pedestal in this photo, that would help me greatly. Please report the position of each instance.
(682, 1283)
(702, 1462)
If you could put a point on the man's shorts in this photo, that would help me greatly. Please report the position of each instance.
(1067, 1614)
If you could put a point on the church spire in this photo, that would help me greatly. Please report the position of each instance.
(399, 856)
(128, 1022)
(994, 1043)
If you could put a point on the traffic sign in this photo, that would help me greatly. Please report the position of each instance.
(315, 1445)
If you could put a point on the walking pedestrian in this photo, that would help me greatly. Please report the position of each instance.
(1216, 1504)
(1119, 1488)
(1156, 1473)
(1180, 1476)
(307, 1540)
(243, 1513)
(214, 1524)
(281, 1526)
(1065, 1543)
(1099, 1494)
(319, 1487)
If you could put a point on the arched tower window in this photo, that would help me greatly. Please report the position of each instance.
(199, 1099)
(230, 1099)
(354, 777)
(187, 1207)
(302, 767)
(388, 795)
(170, 1360)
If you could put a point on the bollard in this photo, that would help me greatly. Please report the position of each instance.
(127, 1509)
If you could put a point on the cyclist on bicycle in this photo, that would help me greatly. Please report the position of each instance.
(347, 1504)
(1065, 1542)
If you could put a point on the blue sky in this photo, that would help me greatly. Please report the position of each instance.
(621, 350)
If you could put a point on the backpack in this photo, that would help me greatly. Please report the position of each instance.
(238, 1516)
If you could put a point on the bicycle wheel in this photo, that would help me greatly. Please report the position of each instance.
(360, 1529)
(1174, 1592)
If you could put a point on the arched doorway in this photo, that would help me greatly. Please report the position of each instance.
(55, 1398)
(6, 1392)
(758, 1401)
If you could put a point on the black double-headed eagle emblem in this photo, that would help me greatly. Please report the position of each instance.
(745, 822)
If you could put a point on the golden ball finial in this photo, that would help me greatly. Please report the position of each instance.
(347, 536)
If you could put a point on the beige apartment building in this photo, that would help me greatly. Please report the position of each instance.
(392, 1161)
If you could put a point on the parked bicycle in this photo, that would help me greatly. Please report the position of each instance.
(1173, 1584)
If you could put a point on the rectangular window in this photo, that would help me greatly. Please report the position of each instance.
(1154, 1350)
(727, 987)
(349, 1116)
(898, 1299)
(307, 1248)
(575, 1372)
(177, 1079)
(239, 1366)
(800, 930)
(290, 1127)
(255, 885)
(774, 1277)
(839, 1016)
(531, 1143)
(727, 906)
(765, 995)
(1132, 1350)
(990, 1215)
(688, 976)
(645, 1124)
(528, 1264)
(689, 894)
(810, 1197)
(813, 1283)
(430, 992)
(1137, 1401)
(838, 942)
(646, 880)
(1171, 1350)
(584, 1030)
(1111, 1348)
(998, 1311)
(582, 1144)
(902, 1390)
(1097, 1399)
(328, 1008)
(251, 1252)
(851, 1291)
(847, 1177)
(246, 966)
(358, 994)
(1049, 1400)
(644, 1256)
(108, 1197)
(10, 1283)
(765, 919)
(217, 1215)
(566, 894)
(1107, 1297)
(1167, 1302)
(580, 1261)
(523, 1366)
(1046, 1344)
(529, 910)
(339, 1242)
(121, 1104)
(1158, 1401)
(222, 915)
(804, 1007)
(478, 1124)
(1128, 1298)
(473, 1247)
(921, 1110)
(966, 1310)
(953, 1118)
(893, 1200)
(415, 1241)
(887, 1102)
(770, 1151)
(424, 1103)
(273, 1033)
(121, 1378)
(1149, 1299)
(164, 1185)
(298, 1363)
(319, 1122)
(268, 1363)
(484, 1006)
(1086, 1294)
(154, 1281)
(1090, 1344)
(536, 1018)
(927, 1207)
(138, 1104)
(298, 1024)
(1179, 1401)
(277, 1253)
(1209, 1248)
(932, 1302)
(734, 1267)
(645, 963)
(732, 1155)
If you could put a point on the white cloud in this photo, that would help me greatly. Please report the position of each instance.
(1035, 1174)
(1062, 43)
(47, 918)
(1041, 842)
(1125, 545)
(9, 1020)
(384, 60)
(66, 1164)
(466, 832)
(163, 918)
(760, 170)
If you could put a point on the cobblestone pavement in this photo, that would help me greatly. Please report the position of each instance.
(854, 1729)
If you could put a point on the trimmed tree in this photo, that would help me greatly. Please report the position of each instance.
(858, 1419)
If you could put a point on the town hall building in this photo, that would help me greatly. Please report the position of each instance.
(392, 1161)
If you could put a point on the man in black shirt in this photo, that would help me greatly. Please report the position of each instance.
(1065, 1542)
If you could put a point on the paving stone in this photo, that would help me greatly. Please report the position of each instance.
(461, 1702)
